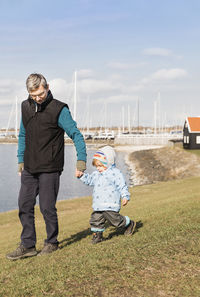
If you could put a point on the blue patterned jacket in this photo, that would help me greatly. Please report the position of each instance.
(109, 188)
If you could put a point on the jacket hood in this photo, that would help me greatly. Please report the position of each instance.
(109, 153)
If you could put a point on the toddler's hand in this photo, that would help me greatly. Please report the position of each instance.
(124, 201)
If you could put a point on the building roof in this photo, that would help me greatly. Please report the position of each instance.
(193, 124)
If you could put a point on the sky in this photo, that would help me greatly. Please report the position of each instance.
(135, 61)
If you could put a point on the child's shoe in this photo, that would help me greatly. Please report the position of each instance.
(97, 237)
(130, 228)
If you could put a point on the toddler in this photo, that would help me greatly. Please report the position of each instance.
(109, 188)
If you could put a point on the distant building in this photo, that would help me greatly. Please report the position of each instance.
(191, 133)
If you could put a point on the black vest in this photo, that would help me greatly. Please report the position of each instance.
(44, 150)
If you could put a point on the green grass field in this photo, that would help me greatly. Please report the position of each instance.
(196, 152)
(161, 259)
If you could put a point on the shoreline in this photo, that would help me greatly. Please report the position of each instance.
(135, 178)
(127, 149)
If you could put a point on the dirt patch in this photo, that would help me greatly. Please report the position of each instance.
(150, 166)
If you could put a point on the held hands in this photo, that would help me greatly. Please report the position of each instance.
(124, 201)
(80, 168)
(78, 173)
(20, 168)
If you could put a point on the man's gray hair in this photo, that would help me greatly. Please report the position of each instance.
(34, 80)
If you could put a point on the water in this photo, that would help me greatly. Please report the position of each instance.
(70, 186)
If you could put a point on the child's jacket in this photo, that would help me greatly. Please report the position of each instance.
(109, 188)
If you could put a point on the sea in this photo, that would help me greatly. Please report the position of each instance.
(70, 186)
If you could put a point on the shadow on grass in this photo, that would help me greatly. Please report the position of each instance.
(83, 234)
(120, 231)
(75, 237)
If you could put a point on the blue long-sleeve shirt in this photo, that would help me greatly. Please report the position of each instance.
(65, 122)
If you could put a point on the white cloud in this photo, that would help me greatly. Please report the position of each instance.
(114, 89)
(91, 86)
(164, 75)
(118, 98)
(157, 51)
(8, 85)
(169, 74)
(84, 73)
(124, 66)
(9, 89)
(119, 66)
(61, 90)
(58, 85)
(115, 77)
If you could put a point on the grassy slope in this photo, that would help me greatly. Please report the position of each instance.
(161, 259)
(196, 152)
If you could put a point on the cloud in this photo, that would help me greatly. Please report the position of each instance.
(61, 89)
(169, 74)
(58, 85)
(118, 98)
(113, 88)
(8, 85)
(164, 75)
(120, 66)
(157, 51)
(91, 86)
(108, 89)
(124, 66)
(9, 89)
(85, 73)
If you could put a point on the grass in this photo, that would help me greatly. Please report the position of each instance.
(161, 259)
(196, 152)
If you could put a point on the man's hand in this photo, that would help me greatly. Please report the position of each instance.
(20, 168)
(79, 173)
(124, 201)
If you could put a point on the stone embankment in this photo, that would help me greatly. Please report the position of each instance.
(153, 164)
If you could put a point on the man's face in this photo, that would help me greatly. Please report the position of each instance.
(40, 94)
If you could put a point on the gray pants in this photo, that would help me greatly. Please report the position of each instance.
(98, 219)
(46, 185)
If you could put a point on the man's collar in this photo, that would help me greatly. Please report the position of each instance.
(43, 105)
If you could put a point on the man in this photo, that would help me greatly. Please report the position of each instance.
(41, 161)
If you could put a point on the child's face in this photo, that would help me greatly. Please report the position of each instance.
(100, 167)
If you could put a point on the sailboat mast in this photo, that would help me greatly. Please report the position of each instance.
(129, 119)
(123, 129)
(9, 119)
(75, 94)
(16, 118)
(155, 117)
(138, 114)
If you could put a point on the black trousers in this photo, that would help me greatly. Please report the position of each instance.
(46, 185)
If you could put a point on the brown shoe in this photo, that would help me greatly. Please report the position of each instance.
(21, 252)
(48, 249)
(130, 229)
(97, 237)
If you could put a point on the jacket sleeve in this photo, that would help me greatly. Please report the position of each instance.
(66, 122)
(121, 186)
(89, 179)
(21, 143)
